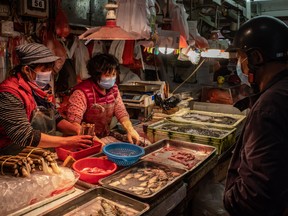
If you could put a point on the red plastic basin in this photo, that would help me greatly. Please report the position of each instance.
(78, 153)
(83, 164)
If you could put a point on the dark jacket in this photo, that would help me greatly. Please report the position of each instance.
(257, 179)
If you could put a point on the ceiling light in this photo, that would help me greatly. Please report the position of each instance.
(215, 53)
(166, 50)
(168, 41)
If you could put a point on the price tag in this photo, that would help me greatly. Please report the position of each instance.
(38, 4)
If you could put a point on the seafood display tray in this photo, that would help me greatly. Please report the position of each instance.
(162, 151)
(222, 139)
(145, 179)
(87, 203)
(214, 119)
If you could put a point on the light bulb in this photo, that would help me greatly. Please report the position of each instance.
(214, 53)
(166, 50)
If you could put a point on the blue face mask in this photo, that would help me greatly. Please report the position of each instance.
(43, 78)
(107, 83)
(243, 77)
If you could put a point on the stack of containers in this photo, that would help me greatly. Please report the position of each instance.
(217, 129)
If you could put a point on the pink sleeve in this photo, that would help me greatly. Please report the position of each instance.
(120, 109)
(77, 106)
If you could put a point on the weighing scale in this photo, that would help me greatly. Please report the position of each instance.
(140, 94)
(137, 99)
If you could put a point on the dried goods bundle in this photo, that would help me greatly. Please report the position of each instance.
(16, 165)
(27, 161)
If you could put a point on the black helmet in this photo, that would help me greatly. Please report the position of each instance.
(267, 34)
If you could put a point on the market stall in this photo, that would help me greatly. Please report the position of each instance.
(146, 92)
(167, 175)
(186, 163)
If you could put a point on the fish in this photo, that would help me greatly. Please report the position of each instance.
(119, 211)
(175, 174)
(153, 180)
(148, 171)
(109, 209)
(162, 175)
(147, 192)
(136, 190)
(138, 175)
(116, 183)
(157, 188)
(152, 185)
(129, 176)
(123, 181)
(143, 178)
(144, 184)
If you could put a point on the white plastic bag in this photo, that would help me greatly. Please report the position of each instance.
(81, 56)
(17, 192)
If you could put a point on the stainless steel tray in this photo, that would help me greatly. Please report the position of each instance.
(162, 150)
(146, 187)
(87, 203)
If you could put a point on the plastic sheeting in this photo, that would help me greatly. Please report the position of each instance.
(134, 16)
(17, 193)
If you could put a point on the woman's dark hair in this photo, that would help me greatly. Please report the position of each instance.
(102, 63)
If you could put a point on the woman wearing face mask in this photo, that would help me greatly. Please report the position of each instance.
(27, 114)
(97, 99)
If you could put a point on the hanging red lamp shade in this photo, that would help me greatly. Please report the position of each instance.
(110, 31)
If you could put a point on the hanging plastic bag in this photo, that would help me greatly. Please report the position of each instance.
(57, 48)
(81, 58)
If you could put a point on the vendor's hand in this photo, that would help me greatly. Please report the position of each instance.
(133, 135)
(83, 141)
(95, 138)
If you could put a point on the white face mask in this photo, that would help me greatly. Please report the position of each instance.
(243, 77)
(107, 83)
(43, 78)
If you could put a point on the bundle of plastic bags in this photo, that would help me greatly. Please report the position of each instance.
(17, 192)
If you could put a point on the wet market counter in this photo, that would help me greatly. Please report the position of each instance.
(174, 200)
(168, 176)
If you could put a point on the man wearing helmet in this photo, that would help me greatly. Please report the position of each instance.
(257, 178)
